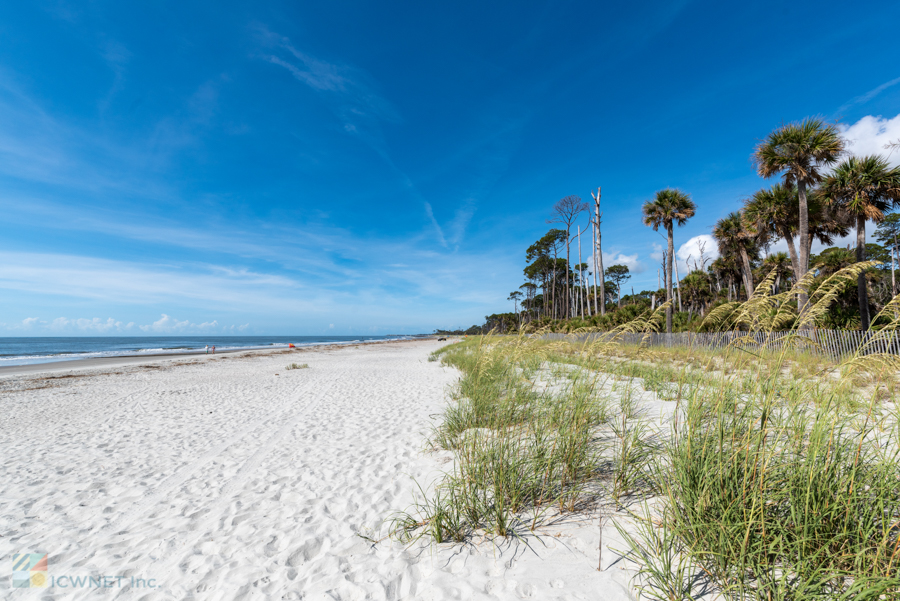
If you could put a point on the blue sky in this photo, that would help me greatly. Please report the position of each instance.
(343, 167)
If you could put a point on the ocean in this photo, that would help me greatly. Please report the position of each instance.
(25, 351)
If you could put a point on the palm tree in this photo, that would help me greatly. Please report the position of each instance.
(827, 221)
(696, 286)
(798, 151)
(832, 260)
(888, 233)
(774, 213)
(725, 268)
(670, 206)
(733, 237)
(782, 266)
(864, 187)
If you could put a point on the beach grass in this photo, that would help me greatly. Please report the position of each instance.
(777, 475)
(523, 441)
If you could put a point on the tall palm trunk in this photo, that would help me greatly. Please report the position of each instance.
(748, 273)
(861, 280)
(792, 252)
(669, 277)
(803, 298)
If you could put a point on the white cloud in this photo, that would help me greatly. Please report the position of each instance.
(657, 254)
(632, 262)
(689, 253)
(166, 324)
(870, 134)
(848, 241)
(29, 321)
(96, 324)
(169, 324)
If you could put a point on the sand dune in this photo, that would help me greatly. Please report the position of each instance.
(217, 479)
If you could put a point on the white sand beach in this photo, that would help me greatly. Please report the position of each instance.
(232, 478)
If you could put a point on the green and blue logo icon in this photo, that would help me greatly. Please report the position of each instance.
(30, 570)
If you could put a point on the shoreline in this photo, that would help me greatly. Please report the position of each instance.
(65, 365)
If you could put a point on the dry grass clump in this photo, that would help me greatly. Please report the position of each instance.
(297, 366)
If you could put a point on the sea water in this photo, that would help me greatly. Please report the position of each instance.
(24, 351)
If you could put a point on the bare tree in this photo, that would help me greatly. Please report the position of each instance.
(594, 264)
(582, 289)
(892, 146)
(678, 285)
(598, 255)
(567, 211)
(701, 246)
(664, 269)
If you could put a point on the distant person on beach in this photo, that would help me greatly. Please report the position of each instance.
(214, 349)
(207, 349)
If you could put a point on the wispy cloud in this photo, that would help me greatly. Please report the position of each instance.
(346, 88)
(381, 292)
(438, 230)
(124, 282)
(319, 75)
(334, 258)
(864, 98)
(460, 222)
(451, 235)
(166, 324)
(116, 56)
(38, 146)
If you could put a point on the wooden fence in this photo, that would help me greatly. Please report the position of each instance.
(837, 344)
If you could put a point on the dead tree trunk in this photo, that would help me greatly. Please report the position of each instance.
(599, 252)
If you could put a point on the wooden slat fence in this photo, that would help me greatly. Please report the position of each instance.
(837, 344)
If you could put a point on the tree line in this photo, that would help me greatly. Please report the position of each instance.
(822, 193)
